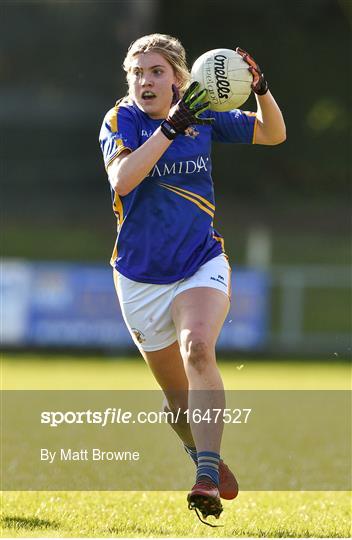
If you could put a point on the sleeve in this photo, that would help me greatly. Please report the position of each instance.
(234, 126)
(118, 132)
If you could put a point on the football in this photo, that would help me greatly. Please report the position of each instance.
(225, 76)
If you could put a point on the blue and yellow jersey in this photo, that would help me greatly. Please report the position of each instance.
(165, 225)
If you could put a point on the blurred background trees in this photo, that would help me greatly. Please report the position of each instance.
(61, 71)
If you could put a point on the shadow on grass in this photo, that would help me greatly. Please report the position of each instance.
(19, 522)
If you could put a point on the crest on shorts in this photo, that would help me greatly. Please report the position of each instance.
(140, 337)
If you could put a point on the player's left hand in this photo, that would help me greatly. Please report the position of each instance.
(259, 84)
(194, 103)
(185, 112)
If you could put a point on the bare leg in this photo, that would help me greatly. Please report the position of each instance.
(199, 314)
(167, 366)
(168, 370)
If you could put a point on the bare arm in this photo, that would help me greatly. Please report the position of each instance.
(130, 168)
(271, 127)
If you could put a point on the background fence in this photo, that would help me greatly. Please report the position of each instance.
(74, 306)
(312, 306)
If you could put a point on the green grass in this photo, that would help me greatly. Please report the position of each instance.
(165, 514)
(31, 372)
(153, 514)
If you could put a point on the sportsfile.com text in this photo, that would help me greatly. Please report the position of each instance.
(113, 415)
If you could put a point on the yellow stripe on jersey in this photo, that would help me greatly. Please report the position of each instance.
(194, 195)
(201, 206)
(114, 127)
(221, 240)
(114, 255)
(111, 119)
(118, 208)
(117, 203)
(118, 211)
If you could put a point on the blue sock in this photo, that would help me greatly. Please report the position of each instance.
(208, 465)
(192, 452)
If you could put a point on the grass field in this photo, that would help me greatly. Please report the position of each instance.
(153, 514)
(99, 514)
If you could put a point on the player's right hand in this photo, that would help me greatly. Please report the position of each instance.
(185, 112)
(259, 84)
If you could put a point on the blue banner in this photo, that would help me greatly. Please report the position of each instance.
(75, 305)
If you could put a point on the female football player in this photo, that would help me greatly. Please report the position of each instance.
(171, 274)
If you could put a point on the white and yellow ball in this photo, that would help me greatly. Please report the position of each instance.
(225, 76)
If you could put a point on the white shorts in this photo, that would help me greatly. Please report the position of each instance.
(146, 308)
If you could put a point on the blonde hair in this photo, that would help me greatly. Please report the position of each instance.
(169, 47)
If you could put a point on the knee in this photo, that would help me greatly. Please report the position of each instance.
(197, 351)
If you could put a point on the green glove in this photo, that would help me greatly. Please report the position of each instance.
(186, 111)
